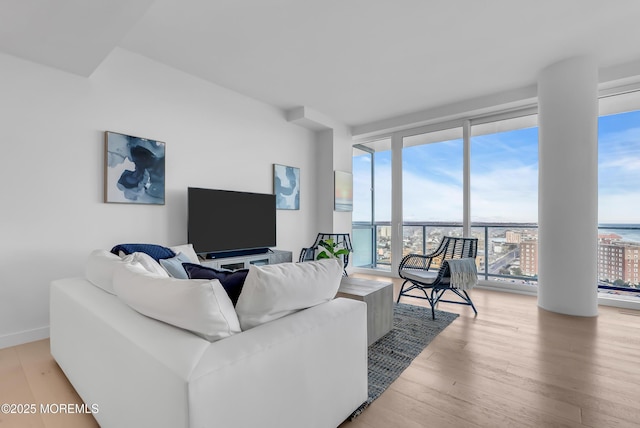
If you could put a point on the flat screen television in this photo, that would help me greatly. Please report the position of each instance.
(223, 223)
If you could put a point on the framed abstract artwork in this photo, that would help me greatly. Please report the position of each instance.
(343, 191)
(286, 187)
(134, 170)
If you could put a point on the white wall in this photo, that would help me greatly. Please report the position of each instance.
(51, 180)
(342, 161)
(334, 152)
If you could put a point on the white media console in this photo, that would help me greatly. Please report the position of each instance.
(243, 262)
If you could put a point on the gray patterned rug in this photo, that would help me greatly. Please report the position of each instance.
(412, 331)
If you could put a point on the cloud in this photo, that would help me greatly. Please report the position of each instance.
(504, 179)
(426, 199)
(505, 195)
(435, 192)
(619, 208)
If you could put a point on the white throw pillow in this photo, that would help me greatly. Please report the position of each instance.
(200, 306)
(274, 291)
(99, 269)
(187, 250)
(147, 262)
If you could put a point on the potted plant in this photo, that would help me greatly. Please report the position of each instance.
(332, 250)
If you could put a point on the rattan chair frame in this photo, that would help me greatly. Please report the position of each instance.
(450, 248)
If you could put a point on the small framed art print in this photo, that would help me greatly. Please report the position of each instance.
(286, 187)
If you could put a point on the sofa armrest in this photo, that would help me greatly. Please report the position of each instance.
(307, 369)
(135, 368)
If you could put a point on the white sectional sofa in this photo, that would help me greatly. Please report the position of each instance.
(306, 369)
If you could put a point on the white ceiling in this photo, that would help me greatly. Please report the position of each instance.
(356, 61)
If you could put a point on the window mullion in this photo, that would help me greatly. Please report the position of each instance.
(466, 176)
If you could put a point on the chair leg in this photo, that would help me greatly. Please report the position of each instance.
(470, 302)
(433, 301)
(401, 290)
(433, 307)
(436, 294)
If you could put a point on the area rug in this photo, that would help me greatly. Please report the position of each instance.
(412, 331)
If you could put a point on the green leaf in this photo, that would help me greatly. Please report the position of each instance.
(331, 249)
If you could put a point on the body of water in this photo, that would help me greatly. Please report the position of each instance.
(629, 232)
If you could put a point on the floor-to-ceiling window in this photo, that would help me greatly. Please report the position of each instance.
(432, 188)
(363, 234)
(504, 197)
(619, 195)
(372, 204)
(491, 175)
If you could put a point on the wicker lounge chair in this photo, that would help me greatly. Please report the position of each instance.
(431, 274)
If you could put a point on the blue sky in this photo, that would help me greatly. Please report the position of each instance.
(504, 177)
(619, 168)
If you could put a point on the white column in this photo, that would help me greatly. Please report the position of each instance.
(324, 181)
(568, 187)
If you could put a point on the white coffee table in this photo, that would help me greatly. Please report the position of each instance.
(378, 295)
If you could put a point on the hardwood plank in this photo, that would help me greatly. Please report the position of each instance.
(447, 380)
(458, 410)
(596, 419)
(52, 389)
(404, 410)
(15, 391)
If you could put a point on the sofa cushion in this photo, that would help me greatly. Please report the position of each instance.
(200, 306)
(147, 262)
(232, 281)
(99, 269)
(173, 266)
(274, 291)
(187, 250)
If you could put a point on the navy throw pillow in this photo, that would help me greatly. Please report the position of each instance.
(156, 251)
(232, 280)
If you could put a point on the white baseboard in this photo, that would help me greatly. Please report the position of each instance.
(375, 272)
(508, 287)
(24, 337)
(618, 303)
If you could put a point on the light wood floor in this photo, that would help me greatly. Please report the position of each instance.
(513, 365)
(29, 375)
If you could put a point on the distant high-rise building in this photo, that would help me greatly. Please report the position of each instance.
(384, 232)
(631, 263)
(513, 237)
(618, 260)
(529, 257)
(610, 261)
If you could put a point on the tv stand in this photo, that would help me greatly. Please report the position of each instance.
(269, 257)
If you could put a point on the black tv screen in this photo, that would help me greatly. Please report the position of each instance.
(223, 221)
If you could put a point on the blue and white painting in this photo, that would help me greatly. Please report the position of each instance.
(286, 187)
(134, 171)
